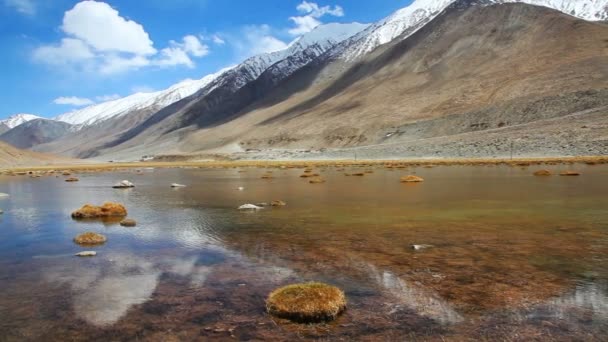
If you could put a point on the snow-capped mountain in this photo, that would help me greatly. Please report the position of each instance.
(97, 113)
(314, 43)
(421, 12)
(17, 119)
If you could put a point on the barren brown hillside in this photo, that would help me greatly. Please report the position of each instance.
(478, 69)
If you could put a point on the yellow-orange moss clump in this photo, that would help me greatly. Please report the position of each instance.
(307, 303)
(411, 179)
(90, 238)
(542, 173)
(108, 209)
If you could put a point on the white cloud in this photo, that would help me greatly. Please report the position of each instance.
(26, 7)
(105, 98)
(73, 101)
(67, 51)
(255, 40)
(101, 27)
(312, 12)
(218, 40)
(99, 39)
(193, 45)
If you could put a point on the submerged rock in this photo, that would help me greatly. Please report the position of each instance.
(86, 254)
(125, 184)
(2, 194)
(278, 203)
(90, 239)
(108, 209)
(307, 303)
(317, 180)
(177, 185)
(411, 179)
(250, 207)
(128, 223)
(570, 173)
(542, 173)
(72, 179)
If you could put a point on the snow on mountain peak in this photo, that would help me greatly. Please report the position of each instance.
(18, 119)
(420, 12)
(102, 111)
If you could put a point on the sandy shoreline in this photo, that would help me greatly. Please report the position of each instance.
(307, 163)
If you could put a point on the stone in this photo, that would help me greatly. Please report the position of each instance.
(86, 254)
(90, 239)
(278, 203)
(128, 223)
(542, 173)
(411, 179)
(177, 185)
(250, 207)
(125, 184)
(421, 247)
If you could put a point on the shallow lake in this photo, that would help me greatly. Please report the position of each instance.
(512, 256)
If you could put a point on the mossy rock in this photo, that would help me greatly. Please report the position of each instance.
(307, 303)
(90, 239)
(411, 179)
(108, 209)
(128, 223)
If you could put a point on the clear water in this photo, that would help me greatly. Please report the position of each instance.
(513, 256)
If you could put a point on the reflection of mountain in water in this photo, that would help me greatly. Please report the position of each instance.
(423, 301)
(591, 298)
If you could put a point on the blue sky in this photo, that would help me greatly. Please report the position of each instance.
(58, 55)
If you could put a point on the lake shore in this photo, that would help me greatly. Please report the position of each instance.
(92, 166)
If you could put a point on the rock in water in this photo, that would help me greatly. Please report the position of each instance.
(108, 209)
(1, 211)
(128, 223)
(240, 188)
(72, 179)
(90, 239)
(411, 179)
(421, 247)
(250, 207)
(570, 173)
(177, 185)
(86, 254)
(3, 195)
(278, 203)
(125, 184)
(542, 173)
(307, 303)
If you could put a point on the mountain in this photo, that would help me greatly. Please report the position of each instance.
(223, 94)
(35, 132)
(468, 83)
(11, 156)
(94, 114)
(444, 77)
(17, 119)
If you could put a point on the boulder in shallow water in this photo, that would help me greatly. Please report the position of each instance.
(177, 185)
(240, 188)
(542, 173)
(570, 173)
(108, 209)
(72, 179)
(278, 203)
(90, 239)
(128, 223)
(307, 303)
(411, 179)
(125, 184)
(316, 180)
(2, 194)
(86, 254)
(250, 207)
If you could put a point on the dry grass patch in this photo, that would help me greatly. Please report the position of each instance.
(307, 303)
(542, 173)
(108, 209)
(90, 239)
(411, 179)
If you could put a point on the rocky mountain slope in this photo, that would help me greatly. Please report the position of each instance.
(35, 132)
(17, 119)
(11, 156)
(222, 94)
(473, 69)
(433, 70)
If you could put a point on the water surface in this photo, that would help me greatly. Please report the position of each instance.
(513, 256)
